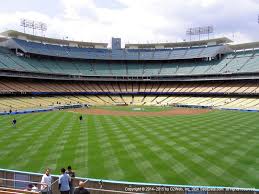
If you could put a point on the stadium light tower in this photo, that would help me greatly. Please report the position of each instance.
(34, 25)
(199, 31)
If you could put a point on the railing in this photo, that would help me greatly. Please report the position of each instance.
(109, 186)
(20, 186)
(4, 190)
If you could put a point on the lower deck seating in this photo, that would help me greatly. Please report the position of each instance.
(8, 86)
(226, 94)
(30, 103)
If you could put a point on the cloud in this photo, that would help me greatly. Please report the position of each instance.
(109, 4)
(49, 7)
(137, 21)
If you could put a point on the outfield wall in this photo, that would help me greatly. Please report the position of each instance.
(44, 109)
(109, 186)
(85, 105)
(210, 107)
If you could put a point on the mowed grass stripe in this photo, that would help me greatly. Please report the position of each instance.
(119, 142)
(163, 159)
(21, 140)
(80, 135)
(55, 153)
(144, 166)
(112, 161)
(96, 160)
(230, 160)
(32, 155)
(126, 152)
(7, 128)
(161, 139)
(213, 168)
(217, 148)
(151, 149)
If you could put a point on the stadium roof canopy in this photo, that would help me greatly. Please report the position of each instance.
(115, 54)
(215, 41)
(41, 39)
(244, 46)
(2, 38)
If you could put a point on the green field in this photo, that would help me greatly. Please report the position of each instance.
(216, 148)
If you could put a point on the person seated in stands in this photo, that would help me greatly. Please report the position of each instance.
(29, 187)
(35, 188)
(81, 189)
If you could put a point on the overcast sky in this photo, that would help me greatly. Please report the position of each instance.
(135, 21)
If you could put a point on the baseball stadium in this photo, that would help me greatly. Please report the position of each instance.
(180, 115)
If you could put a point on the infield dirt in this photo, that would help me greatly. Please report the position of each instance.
(184, 111)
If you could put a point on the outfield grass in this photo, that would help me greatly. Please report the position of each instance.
(217, 148)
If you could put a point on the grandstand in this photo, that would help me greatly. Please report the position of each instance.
(21, 93)
(42, 74)
(33, 66)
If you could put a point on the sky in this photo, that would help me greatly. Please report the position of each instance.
(135, 21)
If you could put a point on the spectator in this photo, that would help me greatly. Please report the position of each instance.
(81, 189)
(46, 182)
(29, 187)
(63, 182)
(34, 188)
(71, 173)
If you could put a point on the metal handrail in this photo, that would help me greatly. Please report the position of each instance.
(16, 190)
(112, 191)
(142, 184)
(54, 182)
(22, 181)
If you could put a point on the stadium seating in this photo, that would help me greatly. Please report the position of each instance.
(23, 86)
(102, 69)
(118, 69)
(75, 62)
(168, 69)
(121, 54)
(232, 63)
(31, 103)
(151, 69)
